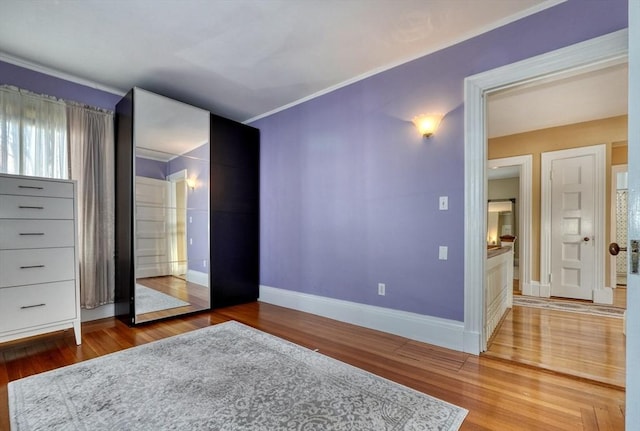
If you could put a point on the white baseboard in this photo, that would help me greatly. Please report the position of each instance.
(104, 311)
(433, 330)
(535, 288)
(531, 289)
(545, 291)
(603, 295)
(197, 277)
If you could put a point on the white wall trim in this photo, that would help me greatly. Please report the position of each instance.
(197, 277)
(58, 74)
(632, 319)
(433, 330)
(599, 153)
(605, 50)
(524, 210)
(102, 312)
(531, 289)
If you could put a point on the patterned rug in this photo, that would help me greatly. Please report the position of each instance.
(565, 305)
(223, 377)
(150, 300)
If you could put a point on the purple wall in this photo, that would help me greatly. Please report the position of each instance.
(45, 84)
(197, 165)
(349, 191)
(149, 168)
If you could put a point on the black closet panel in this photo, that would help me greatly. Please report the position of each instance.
(235, 212)
(124, 255)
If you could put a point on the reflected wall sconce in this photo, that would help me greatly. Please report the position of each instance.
(427, 124)
(191, 183)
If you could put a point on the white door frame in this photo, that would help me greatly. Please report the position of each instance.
(615, 170)
(633, 182)
(177, 266)
(605, 51)
(525, 163)
(599, 152)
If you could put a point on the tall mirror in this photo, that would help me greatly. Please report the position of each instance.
(501, 221)
(171, 207)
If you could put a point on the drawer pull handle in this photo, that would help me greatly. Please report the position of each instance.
(30, 187)
(24, 307)
(31, 266)
(31, 233)
(22, 207)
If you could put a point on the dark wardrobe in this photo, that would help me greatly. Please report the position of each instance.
(187, 209)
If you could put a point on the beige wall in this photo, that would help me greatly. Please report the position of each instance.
(609, 131)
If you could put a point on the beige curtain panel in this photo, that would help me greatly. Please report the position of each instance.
(91, 146)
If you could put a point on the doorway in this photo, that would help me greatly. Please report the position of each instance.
(517, 170)
(484, 89)
(603, 51)
(619, 216)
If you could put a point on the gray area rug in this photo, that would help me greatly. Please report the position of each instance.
(149, 300)
(565, 305)
(224, 377)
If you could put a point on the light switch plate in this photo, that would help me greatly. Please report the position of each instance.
(443, 252)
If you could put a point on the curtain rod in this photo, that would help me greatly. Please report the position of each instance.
(54, 99)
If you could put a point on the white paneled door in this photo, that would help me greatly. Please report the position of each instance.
(573, 228)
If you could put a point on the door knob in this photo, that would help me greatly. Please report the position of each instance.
(586, 239)
(614, 249)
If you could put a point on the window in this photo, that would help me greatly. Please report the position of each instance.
(33, 135)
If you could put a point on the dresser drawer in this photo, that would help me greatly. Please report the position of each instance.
(20, 267)
(26, 306)
(17, 234)
(30, 207)
(12, 185)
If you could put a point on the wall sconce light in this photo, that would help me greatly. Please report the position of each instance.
(427, 124)
(191, 183)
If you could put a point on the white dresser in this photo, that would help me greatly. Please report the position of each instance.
(39, 289)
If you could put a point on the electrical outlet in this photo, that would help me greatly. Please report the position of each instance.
(382, 289)
(444, 203)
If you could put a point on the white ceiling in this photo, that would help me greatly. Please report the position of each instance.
(503, 172)
(240, 58)
(559, 100)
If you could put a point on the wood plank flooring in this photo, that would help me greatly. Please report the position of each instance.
(196, 295)
(581, 345)
(500, 395)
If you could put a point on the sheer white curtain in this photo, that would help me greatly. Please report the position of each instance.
(33, 134)
(91, 145)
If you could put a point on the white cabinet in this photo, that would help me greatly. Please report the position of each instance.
(39, 289)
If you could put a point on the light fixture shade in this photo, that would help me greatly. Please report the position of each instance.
(191, 183)
(427, 124)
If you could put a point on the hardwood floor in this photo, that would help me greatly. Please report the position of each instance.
(581, 345)
(196, 295)
(500, 395)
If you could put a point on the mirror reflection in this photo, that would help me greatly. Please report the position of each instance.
(501, 221)
(172, 207)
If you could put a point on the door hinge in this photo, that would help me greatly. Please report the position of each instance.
(549, 279)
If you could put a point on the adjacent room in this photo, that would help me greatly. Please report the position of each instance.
(319, 214)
